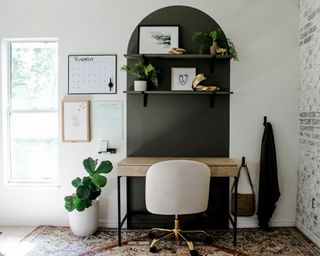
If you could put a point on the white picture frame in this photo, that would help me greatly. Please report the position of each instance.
(75, 121)
(158, 39)
(181, 78)
(92, 74)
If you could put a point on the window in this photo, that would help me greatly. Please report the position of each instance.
(31, 121)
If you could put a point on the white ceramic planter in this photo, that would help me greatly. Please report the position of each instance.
(140, 85)
(85, 223)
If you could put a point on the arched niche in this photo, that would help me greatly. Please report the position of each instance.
(179, 125)
(190, 20)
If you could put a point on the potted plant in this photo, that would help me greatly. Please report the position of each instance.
(218, 43)
(143, 73)
(83, 205)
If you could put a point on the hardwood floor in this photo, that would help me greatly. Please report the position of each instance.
(10, 237)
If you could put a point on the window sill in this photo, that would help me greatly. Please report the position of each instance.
(31, 184)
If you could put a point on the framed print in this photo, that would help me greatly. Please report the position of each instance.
(92, 74)
(158, 39)
(181, 78)
(75, 121)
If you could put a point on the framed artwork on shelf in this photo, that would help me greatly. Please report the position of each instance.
(92, 74)
(158, 39)
(181, 78)
(75, 121)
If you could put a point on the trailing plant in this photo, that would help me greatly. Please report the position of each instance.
(89, 187)
(217, 36)
(143, 72)
(232, 50)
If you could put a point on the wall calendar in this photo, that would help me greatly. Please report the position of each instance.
(92, 74)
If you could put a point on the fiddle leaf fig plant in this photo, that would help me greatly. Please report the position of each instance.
(89, 187)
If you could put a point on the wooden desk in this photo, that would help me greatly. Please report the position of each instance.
(138, 167)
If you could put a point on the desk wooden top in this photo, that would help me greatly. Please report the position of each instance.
(138, 166)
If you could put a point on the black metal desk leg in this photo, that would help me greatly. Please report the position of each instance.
(119, 210)
(235, 211)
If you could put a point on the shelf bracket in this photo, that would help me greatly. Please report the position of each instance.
(212, 99)
(145, 99)
(212, 63)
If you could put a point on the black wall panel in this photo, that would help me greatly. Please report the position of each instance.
(179, 125)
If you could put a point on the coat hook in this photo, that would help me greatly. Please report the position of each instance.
(264, 120)
(243, 162)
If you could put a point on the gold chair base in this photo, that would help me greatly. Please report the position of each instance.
(177, 233)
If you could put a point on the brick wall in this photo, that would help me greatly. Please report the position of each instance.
(308, 209)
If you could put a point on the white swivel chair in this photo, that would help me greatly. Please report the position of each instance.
(177, 187)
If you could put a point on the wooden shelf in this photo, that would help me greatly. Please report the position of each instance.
(146, 93)
(177, 56)
(178, 92)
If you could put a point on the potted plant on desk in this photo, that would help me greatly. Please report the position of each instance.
(83, 205)
(143, 73)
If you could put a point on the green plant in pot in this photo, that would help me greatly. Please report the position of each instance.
(219, 43)
(143, 73)
(83, 205)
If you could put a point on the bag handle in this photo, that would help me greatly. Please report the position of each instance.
(243, 165)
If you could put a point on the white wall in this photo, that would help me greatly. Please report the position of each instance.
(265, 82)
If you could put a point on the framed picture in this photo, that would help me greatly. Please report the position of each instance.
(158, 39)
(181, 78)
(92, 74)
(75, 121)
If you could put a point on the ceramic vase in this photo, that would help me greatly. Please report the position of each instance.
(86, 222)
(140, 85)
(213, 48)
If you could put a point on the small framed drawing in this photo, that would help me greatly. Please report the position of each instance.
(75, 121)
(158, 39)
(181, 78)
(92, 74)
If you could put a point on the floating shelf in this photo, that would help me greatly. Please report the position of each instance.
(146, 93)
(178, 56)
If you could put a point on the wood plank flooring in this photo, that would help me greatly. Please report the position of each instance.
(9, 239)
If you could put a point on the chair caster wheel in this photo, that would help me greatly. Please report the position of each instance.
(151, 235)
(208, 240)
(153, 249)
(194, 253)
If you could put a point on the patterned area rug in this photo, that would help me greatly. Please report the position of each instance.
(59, 241)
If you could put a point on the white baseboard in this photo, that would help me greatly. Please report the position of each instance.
(307, 233)
(243, 222)
(252, 222)
(108, 224)
(33, 223)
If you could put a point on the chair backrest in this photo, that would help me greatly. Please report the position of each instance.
(177, 187)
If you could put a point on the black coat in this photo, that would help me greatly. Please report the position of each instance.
(269, 191)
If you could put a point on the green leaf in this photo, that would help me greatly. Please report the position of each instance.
(86, 180)
(99, 180)
(83, 192)
(104, 167)
(90, 165)
(76, 182)
(79, 204)
(95, 194)
(68, 203)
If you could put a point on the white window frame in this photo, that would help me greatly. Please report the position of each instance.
(6, 87)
